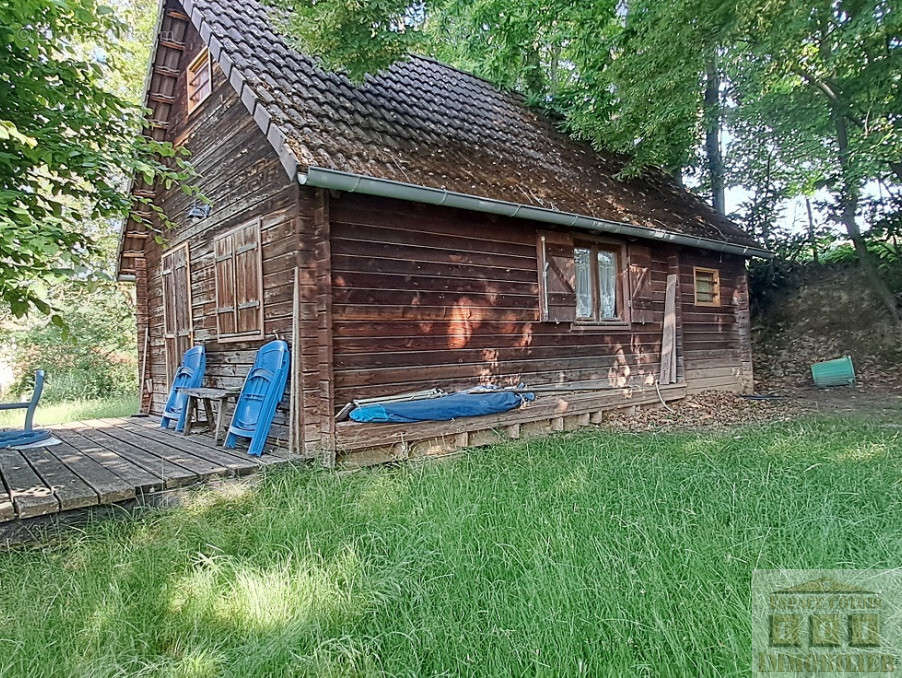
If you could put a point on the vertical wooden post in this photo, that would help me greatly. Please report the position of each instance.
(293, 410)
(322, 258)
(668, 337)
(673, 268)
(744, 329)
(142, 326)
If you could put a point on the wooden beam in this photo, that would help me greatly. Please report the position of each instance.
(142, 235)
(172, 44)
(159, 97)
(166, 72)
(178, 16)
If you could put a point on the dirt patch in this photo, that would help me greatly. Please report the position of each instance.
(828, 313)
(716, 410)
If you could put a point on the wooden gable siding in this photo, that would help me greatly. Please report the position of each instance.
(429, 296)
(241, 175)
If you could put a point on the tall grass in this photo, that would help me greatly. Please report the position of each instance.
(72, 410)
(592, 554)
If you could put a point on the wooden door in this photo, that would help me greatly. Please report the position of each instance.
(178, 331)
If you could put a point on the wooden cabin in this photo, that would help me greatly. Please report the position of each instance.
(444, 235)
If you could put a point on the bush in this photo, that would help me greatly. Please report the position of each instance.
(93, 356)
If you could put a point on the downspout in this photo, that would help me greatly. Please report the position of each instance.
(358, 183)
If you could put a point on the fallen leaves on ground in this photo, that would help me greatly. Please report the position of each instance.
(709, 409)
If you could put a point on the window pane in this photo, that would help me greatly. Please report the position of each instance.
(607, 283)
(705, 287)
(581, 256)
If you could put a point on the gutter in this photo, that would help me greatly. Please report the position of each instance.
(357, 183)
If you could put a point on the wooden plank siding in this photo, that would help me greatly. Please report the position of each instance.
(242, 176)
(716, 339)
(429, 296)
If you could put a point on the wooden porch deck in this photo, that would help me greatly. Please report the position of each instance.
(112, 461)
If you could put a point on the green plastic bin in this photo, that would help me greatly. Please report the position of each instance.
(837, 372)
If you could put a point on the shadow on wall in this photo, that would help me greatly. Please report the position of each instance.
(438, 337)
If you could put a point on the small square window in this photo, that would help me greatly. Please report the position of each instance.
(707, 286)
(200, 79)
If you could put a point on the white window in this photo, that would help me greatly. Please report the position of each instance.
(598, 294)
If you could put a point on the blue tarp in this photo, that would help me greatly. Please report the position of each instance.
(462, 404)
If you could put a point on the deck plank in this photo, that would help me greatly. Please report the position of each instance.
(170, 475)
(201, 467)
(71, 491)
(30, 495)
(98, 447)
(109, 487)
(276, 455)
(241, 465)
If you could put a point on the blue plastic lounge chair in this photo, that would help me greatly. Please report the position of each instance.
(262, 391)
(28, 434)
(190, 374)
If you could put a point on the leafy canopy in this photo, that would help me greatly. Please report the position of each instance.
(66, 143)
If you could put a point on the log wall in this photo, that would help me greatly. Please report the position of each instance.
(717, 351)
(426, 296)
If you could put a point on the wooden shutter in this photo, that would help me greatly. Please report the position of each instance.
(640, 288)
(239, 283)
(178, 330)
(557, 276)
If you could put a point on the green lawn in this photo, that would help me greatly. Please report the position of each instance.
(72, 410)
(596, 554)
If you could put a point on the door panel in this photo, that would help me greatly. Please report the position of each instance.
(178, 329)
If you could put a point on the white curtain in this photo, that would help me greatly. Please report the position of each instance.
(607, 284)
(581, 256)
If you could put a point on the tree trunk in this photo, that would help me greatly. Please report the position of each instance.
(850, 191)
(811, 238)
(712, 115)
(533, 76)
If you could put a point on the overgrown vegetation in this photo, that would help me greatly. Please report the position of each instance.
(93, 355)
(590, 554)
(68, 144)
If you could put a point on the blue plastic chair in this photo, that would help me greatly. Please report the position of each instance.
(262, 391)
(28, 434)
(190, 374)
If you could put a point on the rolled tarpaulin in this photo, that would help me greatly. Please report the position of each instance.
(446, 408)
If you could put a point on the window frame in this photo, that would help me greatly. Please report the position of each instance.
(243, 336)
(193, 69)
(715, 278)
(622, 321)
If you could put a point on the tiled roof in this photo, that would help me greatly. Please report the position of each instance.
(425, 123)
